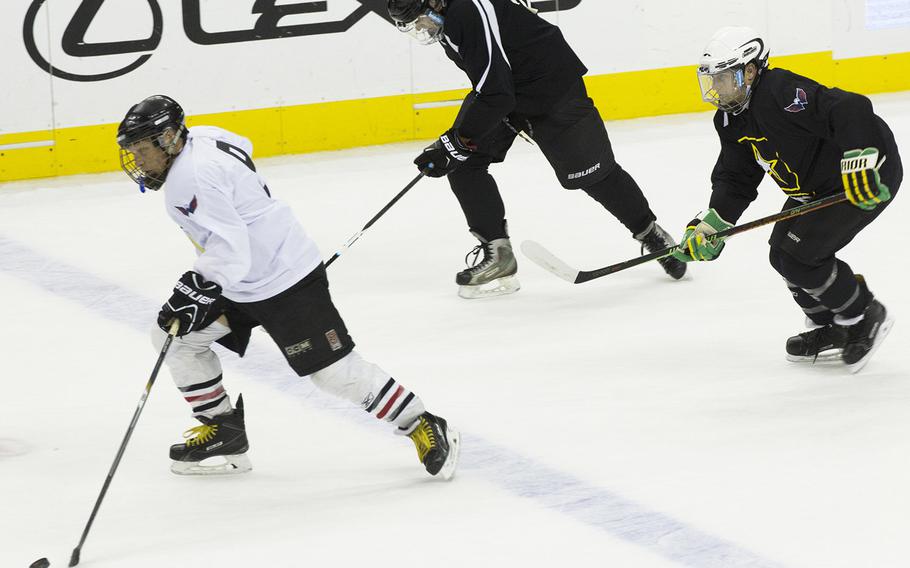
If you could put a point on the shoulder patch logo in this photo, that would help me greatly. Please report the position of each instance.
(800, 102)
(191, 208)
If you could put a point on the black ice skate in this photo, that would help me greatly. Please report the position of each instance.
(219, 446)
(865, 336)
(493, 275)
(437, 445)
(825, 343)
(654, 239)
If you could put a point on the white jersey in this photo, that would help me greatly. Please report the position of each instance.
(248, 242)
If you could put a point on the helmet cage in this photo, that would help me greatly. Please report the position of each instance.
(426, 28)
(165, 141)
(726, 89)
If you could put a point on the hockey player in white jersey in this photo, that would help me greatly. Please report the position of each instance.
(255, 266)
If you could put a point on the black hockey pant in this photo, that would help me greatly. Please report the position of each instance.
(574, 140)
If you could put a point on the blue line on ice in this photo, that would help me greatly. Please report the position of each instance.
(517, 474)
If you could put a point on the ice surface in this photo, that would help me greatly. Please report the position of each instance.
(631, 421)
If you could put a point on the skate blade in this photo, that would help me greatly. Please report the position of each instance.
(493, 288)
(830, 356)
(215, 465)
(447, 472)
(879, 338)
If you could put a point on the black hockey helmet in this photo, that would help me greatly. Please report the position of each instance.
(158, 119)
(422, 19)
(406, 11)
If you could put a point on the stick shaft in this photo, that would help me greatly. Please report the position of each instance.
(587, 275)
(356, 236)
(126, 438)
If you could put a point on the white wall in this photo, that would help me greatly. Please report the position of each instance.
(370, 59)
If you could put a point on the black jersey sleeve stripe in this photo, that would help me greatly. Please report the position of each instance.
(491, 35)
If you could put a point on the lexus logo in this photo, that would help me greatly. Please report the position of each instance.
(266, 27)
(74, 43)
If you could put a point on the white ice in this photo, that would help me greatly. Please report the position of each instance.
(631, 422)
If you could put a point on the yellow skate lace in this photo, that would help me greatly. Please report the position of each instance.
(424, 438)
(199, 435)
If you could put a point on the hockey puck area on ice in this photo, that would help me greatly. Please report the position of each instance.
(40, 563)
(10, 448)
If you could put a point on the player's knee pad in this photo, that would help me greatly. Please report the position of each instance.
(468, 177)
(352, 378)
(806, 276)
(190, 357)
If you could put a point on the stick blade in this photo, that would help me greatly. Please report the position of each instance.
(74, 559)
(548, 261)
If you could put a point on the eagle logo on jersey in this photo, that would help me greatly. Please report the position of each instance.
(191, 208)
(799, 103)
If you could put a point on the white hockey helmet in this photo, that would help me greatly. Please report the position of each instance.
(722, 67)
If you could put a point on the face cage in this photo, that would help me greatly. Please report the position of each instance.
(131, 168)
(426, 28)
(739, 93)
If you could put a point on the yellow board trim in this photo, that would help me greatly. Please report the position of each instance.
(381, 120)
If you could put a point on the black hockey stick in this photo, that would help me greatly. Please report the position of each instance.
(547, 260)
(74, 559)
(375, 218)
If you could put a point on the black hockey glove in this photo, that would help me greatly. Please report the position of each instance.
(191, 301)
(443, 156)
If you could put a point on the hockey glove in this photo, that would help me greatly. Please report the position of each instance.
(443, 156)
(863, 187)
(697, 243)
(190, 303)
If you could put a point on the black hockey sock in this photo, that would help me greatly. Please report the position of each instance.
(480, 201)
(622, 197)
(833, 284)
(814, 310)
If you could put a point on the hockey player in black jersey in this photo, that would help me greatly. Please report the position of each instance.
(814, 142)
(526, 79)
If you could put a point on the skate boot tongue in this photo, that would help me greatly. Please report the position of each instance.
(198, 435)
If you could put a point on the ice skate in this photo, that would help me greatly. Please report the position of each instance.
(437, 445)
(493, 275)
(217, 447)
(823, 343)
(654, 239)
(866, 336)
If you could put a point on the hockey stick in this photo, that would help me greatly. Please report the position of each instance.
(74, 559)
(375, 218)
(547, 260)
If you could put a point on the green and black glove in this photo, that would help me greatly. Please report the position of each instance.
(863, 187)
(697, 243)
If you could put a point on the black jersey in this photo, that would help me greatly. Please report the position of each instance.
(516, 61)
(796, 131)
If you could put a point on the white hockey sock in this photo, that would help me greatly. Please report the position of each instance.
(196, 369)
(365, 384)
